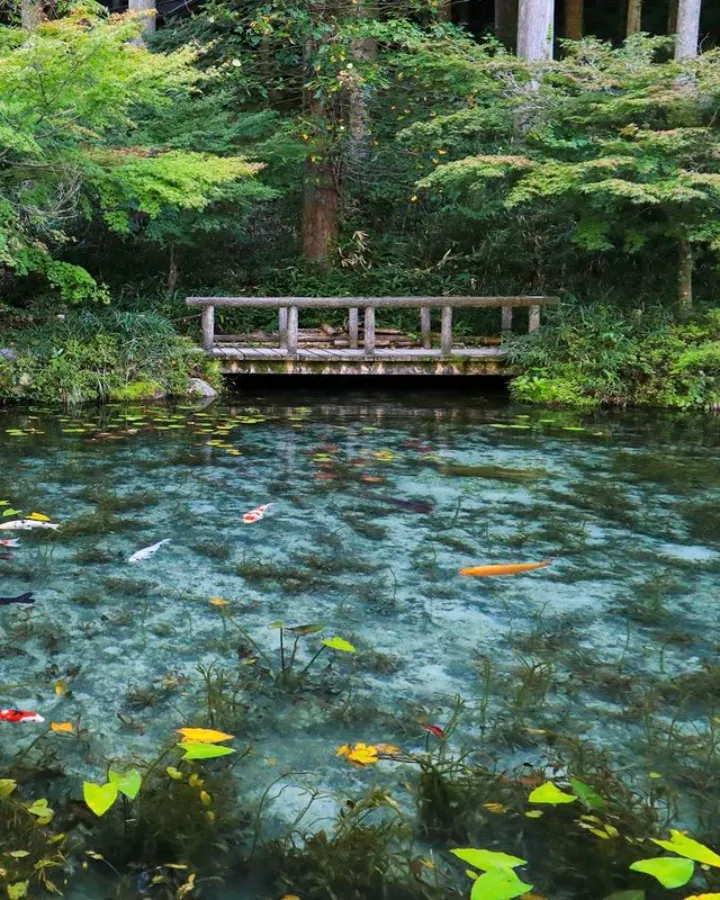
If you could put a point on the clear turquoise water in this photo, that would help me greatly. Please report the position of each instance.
(593, 646)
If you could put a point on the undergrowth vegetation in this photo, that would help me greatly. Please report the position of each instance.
(593, 355)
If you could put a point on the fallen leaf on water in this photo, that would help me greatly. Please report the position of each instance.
(39, 517)
(219, 601)
(204, 735)
(61, 727)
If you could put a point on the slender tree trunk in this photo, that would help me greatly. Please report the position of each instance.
(362, 51)
(574, 14)
(31, 14)
(688, 29)
(685, 275)
(321, 181)
(535, 29)
(173, 270)
(506, 21)
(147, 10)
(672, 17)
(634, 17)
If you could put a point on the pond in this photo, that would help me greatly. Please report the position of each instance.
(376, 501)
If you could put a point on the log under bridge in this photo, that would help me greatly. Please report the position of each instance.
(363, 347)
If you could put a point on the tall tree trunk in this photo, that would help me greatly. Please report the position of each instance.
(688, 29)
(672, 17)
(173, 270)
(535, 29)
(147, 10)
(506, 21)
(634, 17)
(362, 50)
(321, 181)
(574, 14)
(31, 14)
(685, 275)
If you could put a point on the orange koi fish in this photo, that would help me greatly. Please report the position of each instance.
(509, 569)
(256, 514)
(19, 715)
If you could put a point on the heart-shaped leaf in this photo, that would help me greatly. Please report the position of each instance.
(127, 783)
(203, 751)
(498, 884)
(338, 643)
(684, 846)
(488, 859)
(671, 872)
(551, 794)
(587, 795)
(100, 797)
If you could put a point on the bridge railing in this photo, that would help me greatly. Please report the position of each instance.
(289, 317)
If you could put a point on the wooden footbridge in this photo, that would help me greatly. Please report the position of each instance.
(372, 350)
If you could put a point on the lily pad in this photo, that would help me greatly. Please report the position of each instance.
(671, 872)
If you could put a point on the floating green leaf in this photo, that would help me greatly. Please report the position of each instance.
(551, 794)
(100, 797)
(7, 786)
(303, 630)
(498, 884)
(488, 859)
(671, 872)
(18, 890)
(587, 795)
(11, 512)
(684, 846)
(128, 783)
(203, 751)
(338, 643)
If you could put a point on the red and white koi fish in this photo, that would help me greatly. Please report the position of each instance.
(10, 542)
(256, 514)
(19, 715)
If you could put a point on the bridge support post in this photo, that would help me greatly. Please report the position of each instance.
(534, 318)
(370, 331)
(292, 332)
(283, 327)
(425, 329)
(507, 316)
(446, 338)
(208, 327)
(353, 321)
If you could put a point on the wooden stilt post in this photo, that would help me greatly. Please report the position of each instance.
(507, 316)
(534, 318)
(353, 322)
(283, 327)
(208, 327)
(425, 327)
(292, 332)
(370, 331)
(446, 337)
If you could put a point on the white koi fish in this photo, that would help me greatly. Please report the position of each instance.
(147, 552)
(10, 542)
(26, 525)
(256, 514)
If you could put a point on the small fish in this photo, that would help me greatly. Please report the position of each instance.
(147, 552)
(434, 730)
(10, 542)
(509, 569)
(26, 525)
(23, 598)
(256, 514)
(19, 715)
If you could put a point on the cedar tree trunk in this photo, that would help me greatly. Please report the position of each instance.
(535, 29)
(506, 21)
(148, 12)
(574, 10)
(634, 17)
(31, 14)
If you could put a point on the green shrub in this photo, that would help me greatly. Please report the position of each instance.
(98, 356)
(592, 356)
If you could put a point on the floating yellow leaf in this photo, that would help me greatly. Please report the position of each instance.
(219, 601)
(497, 808)
(205, 798)
(61, 727)
(174, 773)
(39, 517)
(61, 688)
(359, 754)
(204, 735)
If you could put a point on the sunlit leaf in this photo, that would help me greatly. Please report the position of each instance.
(18, 890)
(100, 797)
(128, 783)
(7, 786)
(338, 643)
(551, 794)
(204, 735)
(488, 859)
(61, 727)
(498, 884)
(203, 751)
(685, 846)
(174, 773)
(18, 854)
(671, 872)
(39, 517)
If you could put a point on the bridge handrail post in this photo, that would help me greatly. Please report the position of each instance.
(369, 339)
(353, 326)
(425, 327)
(283, 327)
(446, 335)
(292, 332)
(208, 327)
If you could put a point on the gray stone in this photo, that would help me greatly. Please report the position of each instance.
(200, 388)
(8, 353)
